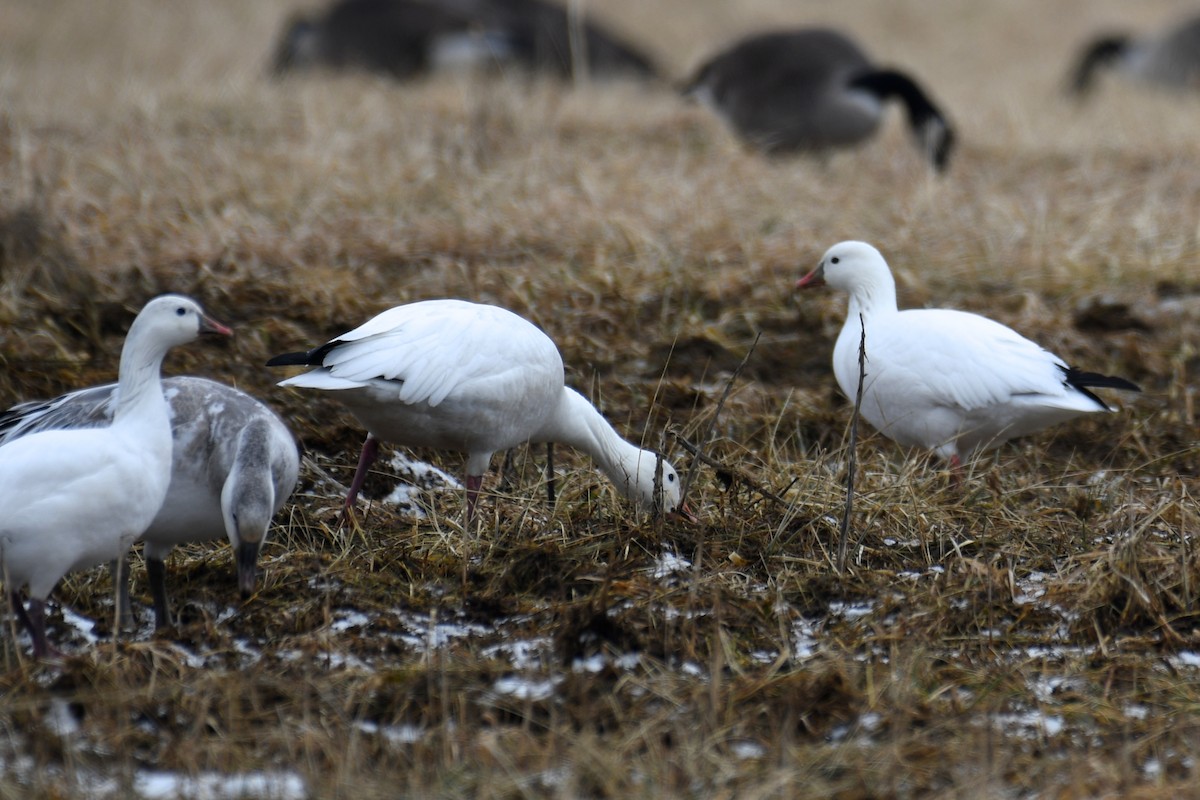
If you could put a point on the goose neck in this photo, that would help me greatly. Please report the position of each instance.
(139, 382)
(577, 423)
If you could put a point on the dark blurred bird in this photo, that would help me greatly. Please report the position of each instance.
(1171, 59)
(812, 90)
(399, 38)
(408, 38)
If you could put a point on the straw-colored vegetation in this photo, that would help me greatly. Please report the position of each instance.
(1032, 633)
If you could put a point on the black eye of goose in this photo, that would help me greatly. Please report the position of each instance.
(834, 260)
(179, 312)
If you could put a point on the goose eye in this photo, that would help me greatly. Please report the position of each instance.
(181, 311)
(835, 260)
(671, 478)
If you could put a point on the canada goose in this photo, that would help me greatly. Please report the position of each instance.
(543, 37)
(407, 38)
(811, 90)
(398, 38)
(1170, 59)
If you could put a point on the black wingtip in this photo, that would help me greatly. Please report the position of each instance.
(1082, 381)
(290, 359)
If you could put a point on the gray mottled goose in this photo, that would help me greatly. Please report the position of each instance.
(811, 90)
(234, 463)
(76, 498)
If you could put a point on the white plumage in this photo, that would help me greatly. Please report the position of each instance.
(234, 464)
(77, 498)
(453, 375)
(952, 381)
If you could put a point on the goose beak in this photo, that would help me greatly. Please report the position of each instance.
(685, 513)
(247, 566)
(211, 326)
(814, 278)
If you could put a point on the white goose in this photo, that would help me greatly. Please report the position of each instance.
(952, 381)
(453, 375)
(811, 90)
(234, 464)
(76, 498)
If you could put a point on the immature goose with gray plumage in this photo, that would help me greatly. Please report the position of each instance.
(234, 464)
(72, 499)
(951, 381)
(474, 378)
(811, 90)
(1171, 59)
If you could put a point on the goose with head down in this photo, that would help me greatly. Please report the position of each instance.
(76, 498)
(1170, 59)
(473, 378)
(813, 90)
(234, 463)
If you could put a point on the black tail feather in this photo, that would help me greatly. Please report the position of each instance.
(1081, 381)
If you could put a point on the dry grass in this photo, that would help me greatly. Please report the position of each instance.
(1033, 634)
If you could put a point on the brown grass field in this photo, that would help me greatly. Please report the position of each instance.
(1035, 633)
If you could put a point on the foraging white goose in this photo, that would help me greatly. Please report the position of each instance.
(453, 375)
(952, 381)
(811, 90)
(76, 498)
(234, 464)
(1170, 59)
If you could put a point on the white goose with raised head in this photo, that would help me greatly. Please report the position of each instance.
(76, 498)
(234, 463)
(950, 381)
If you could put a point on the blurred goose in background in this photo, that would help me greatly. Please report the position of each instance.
(234, 463)
(408, 38)
(951, 381)
(1170, 59)
(546, 37)
(812, 90)
(453, 375)
(398, 38)
(76, 498)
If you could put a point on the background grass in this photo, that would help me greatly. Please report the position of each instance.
(1032, 634)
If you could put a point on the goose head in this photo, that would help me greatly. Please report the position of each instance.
(652, 489)
(173, 319)
(853, 267)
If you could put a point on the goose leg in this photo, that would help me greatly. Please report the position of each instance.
(35, 621)
(506, 471)
(550, 493)
(156, 571)
(474, 484)
(18, 607)
(119, 574)
(370, 452)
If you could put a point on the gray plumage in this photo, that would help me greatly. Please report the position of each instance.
(811, 90)
(234, 464)
(408, 38)
(1170, 59)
